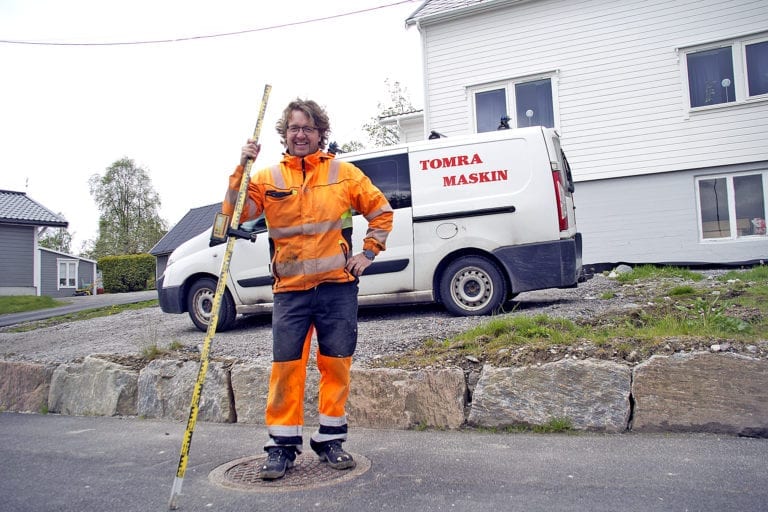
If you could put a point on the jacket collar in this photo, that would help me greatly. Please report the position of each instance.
(310, 161)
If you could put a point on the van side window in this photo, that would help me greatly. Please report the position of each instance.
(390, 175)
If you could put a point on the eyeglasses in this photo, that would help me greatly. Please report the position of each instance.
(308, 130)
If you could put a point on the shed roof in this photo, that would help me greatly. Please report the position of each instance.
(18, 208)
(194, 222)
(65, 254)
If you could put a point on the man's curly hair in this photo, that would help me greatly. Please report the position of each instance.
(312, 110)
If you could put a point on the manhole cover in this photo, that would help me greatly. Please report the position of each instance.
(307, 473)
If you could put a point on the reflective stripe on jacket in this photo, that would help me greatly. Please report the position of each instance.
(307, 203)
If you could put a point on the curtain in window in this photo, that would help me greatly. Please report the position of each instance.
(490, 106)
(67, 274)
(750, 208)
(710, 77)
(713, 196)
(534, 103)
(757, 68)
(62, 274)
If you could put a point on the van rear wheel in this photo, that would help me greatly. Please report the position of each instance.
(472, 286)
(200, 305)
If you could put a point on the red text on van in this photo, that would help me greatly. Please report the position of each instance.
(453, 161)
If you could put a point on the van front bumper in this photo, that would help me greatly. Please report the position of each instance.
(170, 298)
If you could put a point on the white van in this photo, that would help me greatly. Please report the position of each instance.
(477, 220)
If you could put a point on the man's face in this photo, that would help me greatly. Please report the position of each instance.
(301, 137)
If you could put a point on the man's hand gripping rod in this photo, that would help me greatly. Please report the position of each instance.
(220, 287)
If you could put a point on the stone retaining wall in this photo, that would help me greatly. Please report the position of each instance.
(694, 392)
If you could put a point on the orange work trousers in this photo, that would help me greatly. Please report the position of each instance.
(332, 313)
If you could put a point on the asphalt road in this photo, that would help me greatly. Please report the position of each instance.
(76, 304)
(65, 463)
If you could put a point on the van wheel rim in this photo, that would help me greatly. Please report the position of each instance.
(204, 304)
(471, 288)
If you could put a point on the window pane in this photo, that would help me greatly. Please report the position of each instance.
(713, 196)
(490, 107)
(757, 68)
(390, 174)
(72, 274)
(750, 208)
(710, 77)
(534, 104)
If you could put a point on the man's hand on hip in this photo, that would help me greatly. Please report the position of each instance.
(358, 263)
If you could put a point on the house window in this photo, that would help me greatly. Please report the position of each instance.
(727, 74)
(490, 107)
(757, 68)
(710, 77)
(515, 104)
(533, 101)
(67, 274)
(732, 206)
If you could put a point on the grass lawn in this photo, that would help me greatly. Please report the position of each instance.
(732, 308)
(22, 303)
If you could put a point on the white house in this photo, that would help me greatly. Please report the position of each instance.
(662, 106)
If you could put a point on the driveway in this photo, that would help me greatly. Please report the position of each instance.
(80, 303)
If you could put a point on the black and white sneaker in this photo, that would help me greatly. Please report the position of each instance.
(279, 460)
(332, 453)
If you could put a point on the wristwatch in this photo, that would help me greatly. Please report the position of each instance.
(369, 254)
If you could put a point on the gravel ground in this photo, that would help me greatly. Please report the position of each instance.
(382, 331)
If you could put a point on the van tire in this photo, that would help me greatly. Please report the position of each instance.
(472, 286)
(200, 304)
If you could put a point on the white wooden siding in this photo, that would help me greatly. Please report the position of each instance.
(653, 218)
(622, 105)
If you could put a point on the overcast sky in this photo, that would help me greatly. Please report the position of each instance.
(182, 109)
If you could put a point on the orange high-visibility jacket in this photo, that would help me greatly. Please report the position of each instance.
(307, 203)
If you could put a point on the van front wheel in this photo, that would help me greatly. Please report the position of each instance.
(200, 305)
(472, 286)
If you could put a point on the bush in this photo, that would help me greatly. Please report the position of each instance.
(129, 273)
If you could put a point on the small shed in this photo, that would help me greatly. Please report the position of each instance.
(64, 275)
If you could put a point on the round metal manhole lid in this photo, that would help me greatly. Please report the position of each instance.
(307, 473)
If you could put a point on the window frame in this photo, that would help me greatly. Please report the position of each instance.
(740, 71)
(731, 197)
(748, 42)
(508, 85)
(70, 263)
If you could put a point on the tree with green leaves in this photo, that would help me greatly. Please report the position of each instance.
(354, 145)
(56, 239)
(399, 103)
(129, 222)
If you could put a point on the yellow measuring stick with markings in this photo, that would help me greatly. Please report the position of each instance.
(220, 287)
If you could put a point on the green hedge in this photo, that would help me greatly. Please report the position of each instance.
(129, 273)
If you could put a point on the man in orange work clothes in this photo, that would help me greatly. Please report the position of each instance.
(307, 200)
